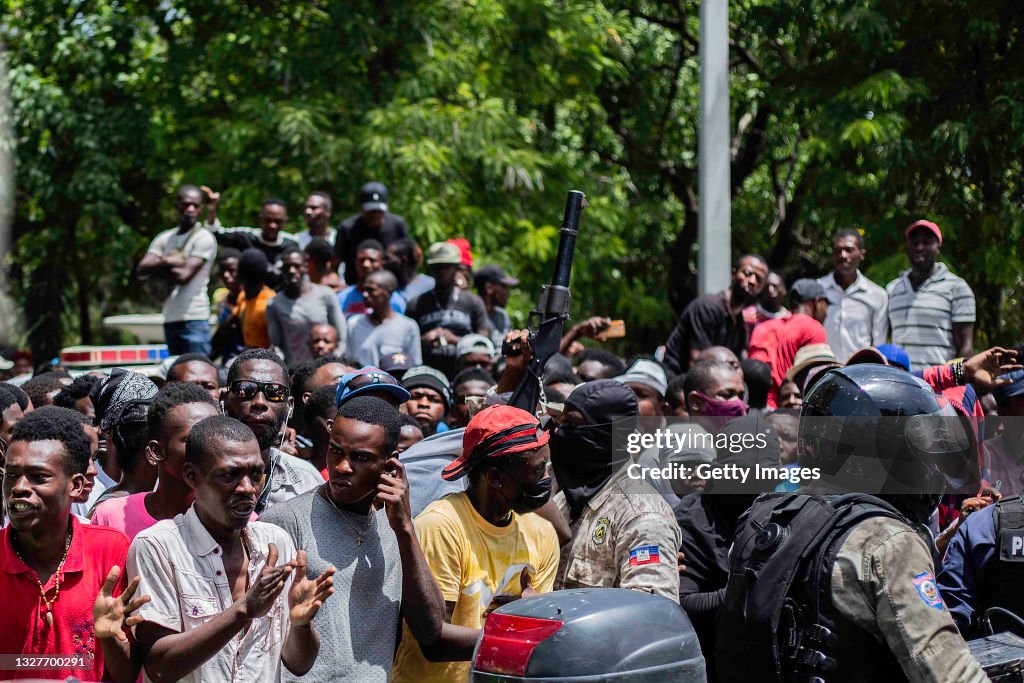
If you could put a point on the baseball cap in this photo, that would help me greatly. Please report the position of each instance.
(496, 432)
(474, 343)
(806, 289)
(809, 356)
(373, 197)
(896, 355)
(369, 380)
(443, 253)
(1015, 388)
(465, 255)
(428, 377)
(646, 372)
(867, 356)
(927, 225)
(493, 274)
(395, 364)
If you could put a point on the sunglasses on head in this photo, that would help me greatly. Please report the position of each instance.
(369, 378)
(246, 389)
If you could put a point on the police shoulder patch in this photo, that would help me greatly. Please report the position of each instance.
(926, 588)
(600, 532)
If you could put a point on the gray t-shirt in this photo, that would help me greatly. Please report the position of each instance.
(290, 320)
(358, 625)
(397, 334)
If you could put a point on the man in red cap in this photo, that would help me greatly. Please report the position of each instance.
(482, 547)
(931, 311)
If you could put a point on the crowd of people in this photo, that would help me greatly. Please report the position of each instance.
(329, 482)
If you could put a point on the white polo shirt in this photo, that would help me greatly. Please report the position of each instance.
(858, 316)
(182, 570)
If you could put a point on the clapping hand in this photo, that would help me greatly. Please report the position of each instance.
(307, 595)
(260, 597)
(112, 615)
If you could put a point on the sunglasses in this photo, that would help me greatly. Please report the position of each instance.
(246, 389)
(369, 378)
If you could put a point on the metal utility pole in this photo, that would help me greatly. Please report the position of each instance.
(713, 262)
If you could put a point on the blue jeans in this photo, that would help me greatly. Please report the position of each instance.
(187, 336)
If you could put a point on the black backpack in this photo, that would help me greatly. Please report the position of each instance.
(772, 625)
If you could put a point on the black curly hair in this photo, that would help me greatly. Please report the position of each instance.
(53, 423)
(170, 397)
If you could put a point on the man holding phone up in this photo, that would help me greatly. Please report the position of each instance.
(360, 522)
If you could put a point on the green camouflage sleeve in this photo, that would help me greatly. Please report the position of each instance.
(884, 582)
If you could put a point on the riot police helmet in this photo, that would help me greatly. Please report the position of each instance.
(880, 430)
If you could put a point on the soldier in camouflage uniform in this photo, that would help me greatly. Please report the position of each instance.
(835, 585)
(624, 533)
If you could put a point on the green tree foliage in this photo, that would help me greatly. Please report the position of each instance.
(481, 115)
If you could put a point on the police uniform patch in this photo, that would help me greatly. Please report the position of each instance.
(926, 588)
(644, 554)
(600, 530)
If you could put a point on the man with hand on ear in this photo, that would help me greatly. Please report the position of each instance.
(360, 522)
(481, 546)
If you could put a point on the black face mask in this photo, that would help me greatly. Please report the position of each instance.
(532, 496)
(582, 462)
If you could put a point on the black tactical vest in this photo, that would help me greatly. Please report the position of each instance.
(778, 622)
(1005, 578)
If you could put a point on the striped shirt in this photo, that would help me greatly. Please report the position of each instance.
(857, 316)
(922, 321)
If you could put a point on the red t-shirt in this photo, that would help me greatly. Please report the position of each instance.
(23, 628)
(776, 342)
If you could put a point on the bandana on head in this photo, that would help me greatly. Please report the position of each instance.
(119, 392)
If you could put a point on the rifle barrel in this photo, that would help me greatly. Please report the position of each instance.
(574, 204)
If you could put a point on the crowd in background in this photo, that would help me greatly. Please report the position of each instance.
(327, 484)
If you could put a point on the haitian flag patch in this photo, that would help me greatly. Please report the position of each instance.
(926, 588)
(644, 554)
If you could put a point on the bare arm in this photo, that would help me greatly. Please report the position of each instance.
(169, 656)
(212, 200)
(187, 270)
(550, 512)
(152, 261)
(456, 643)
(423, 606)
(305, 598)
(963, 339)
(111, 617)
(300, 649)
(590, 327)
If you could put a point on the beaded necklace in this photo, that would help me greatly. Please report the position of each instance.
(56, 583)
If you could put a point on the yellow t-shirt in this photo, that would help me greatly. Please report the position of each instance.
(472, 560)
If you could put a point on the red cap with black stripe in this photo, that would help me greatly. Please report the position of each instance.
(495, 432)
